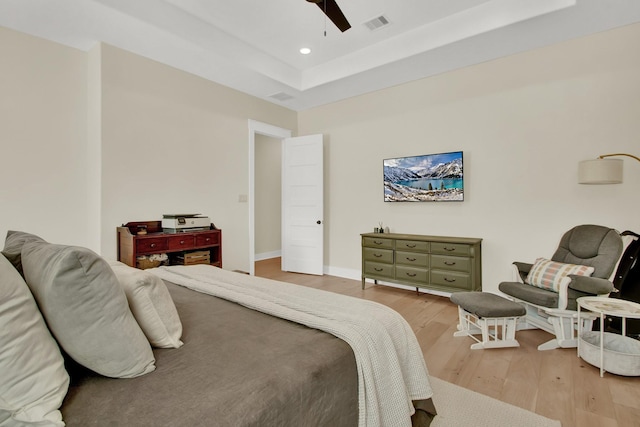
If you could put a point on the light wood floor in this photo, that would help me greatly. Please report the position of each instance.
(554, 383)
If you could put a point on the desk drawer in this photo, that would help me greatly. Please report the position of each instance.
(414, 259)
(451, 279)
(377, 242)
(378, 255)
(411, 274)
(178, 243)
(376, 269)
(450, 248)
(456, 263)
(154, 244)
(206, 239)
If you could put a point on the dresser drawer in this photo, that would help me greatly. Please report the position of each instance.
(412, 245)
(415, 259)
(456, 263)
(376, 242)
(206, 239)
(452, 279)
(178, 243)
(154, 244)
(376, 269)
(450, 248)
(378, 255)
(411, 274)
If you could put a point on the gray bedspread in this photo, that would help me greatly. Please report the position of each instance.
(391, 366)
(238, 367)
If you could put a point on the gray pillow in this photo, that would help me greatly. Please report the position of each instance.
(13, 244)
(33, 381)
(86, 309)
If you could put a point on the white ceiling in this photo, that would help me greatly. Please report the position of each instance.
(253, 45)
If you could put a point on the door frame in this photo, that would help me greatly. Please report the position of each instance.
(256, 127)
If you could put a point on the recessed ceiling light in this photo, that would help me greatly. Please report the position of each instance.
(305, 51)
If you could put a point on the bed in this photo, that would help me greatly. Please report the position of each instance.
(227, 364)
(233, 358)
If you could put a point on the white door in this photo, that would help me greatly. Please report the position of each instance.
(302, 205)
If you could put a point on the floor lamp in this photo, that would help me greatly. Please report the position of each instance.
(602, 170)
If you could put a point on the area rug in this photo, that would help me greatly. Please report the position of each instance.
(459, 407)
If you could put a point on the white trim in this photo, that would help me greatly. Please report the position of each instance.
(256, 127)
(268, 255)
(346, 273)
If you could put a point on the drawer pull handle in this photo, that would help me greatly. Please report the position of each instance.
(182, 242)
(378, 269)
(207, 239)
(411, 274)
(449, 263)
(378, 242)
(446, 279)
(411, 259)
(449, 249)
(410, 246)
(377, 255)
(153, 245)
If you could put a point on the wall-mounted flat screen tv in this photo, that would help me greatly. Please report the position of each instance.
(426, 178)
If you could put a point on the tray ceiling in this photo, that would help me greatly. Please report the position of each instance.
(253, 45)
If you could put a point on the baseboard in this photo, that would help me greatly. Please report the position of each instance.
(345, 273)
(268, 255)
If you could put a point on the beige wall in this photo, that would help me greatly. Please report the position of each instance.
(107, 137)
(523, 123)
(93, 140)
(43, 140)
(268, 196)
(176, 143)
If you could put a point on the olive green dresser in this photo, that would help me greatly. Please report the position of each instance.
(447, 264)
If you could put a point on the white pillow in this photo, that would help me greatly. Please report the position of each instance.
(549, 274)
(33, 380)
(151, 305)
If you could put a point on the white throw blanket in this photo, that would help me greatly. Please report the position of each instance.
(391, 367)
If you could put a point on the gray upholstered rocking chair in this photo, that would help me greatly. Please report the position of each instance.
(582, 250)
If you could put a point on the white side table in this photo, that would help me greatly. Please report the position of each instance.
(604, 306)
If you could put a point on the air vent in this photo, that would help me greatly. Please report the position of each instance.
(377, 23)
(281, 96)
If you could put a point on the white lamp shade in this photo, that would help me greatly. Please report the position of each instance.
(600, 171)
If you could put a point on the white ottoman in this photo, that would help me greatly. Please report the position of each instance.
(489, 315)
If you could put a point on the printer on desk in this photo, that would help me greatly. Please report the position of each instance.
(180, 223)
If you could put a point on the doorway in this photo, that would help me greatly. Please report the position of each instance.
(269, 135)
(268, 197)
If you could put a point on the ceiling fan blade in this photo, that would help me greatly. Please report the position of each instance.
(333, 12)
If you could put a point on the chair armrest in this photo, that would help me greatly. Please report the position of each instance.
(523, 269)
(590, 285)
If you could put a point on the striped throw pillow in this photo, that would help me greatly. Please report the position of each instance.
(548, 274)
